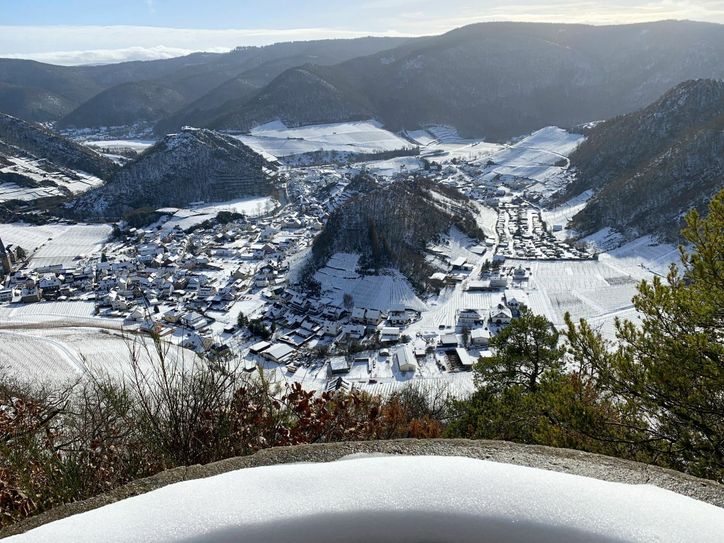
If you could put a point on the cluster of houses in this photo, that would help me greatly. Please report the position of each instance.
(522, 234)
(187, 283)
(47, 283)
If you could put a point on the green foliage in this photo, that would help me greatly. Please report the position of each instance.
(524, 352)
(257, 328)
(670, 368)
(242, 320)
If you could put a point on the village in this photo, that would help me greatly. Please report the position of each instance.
(227, 284)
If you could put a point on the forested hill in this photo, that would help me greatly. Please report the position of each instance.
(391, 226)
(649, 167)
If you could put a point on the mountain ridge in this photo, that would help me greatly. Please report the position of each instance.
(649, 167)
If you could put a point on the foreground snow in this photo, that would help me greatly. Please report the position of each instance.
(394, 498)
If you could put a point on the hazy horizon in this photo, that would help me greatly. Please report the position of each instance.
(95, 32)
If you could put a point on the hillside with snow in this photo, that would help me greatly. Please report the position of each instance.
(191, 166)
(648, 168)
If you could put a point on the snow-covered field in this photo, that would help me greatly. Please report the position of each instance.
(391, 167)
(51, 182)
(445, 142)
(277, 140)
(79, 311)
(188, 217)
(394, 498)
(67, 243)
(55, 243)
(598, 290)
(541, 156)
(381, 292)
(55, 353)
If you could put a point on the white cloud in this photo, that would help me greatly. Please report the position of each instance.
(105, 44)
(109, 56)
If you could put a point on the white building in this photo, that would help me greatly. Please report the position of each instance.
(405, 358)
(480, 337)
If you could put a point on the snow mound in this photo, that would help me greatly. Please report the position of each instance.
(394, 498)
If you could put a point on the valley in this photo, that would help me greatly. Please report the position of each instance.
(189, 275)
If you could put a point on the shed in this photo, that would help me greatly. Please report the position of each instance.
(449, 340)
(279, 352)
(405, 358)
(259, 347)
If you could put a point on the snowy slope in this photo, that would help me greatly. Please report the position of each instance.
(394, 498)
(540, 156)
(339, 277)
(41, 179)
(354, 137)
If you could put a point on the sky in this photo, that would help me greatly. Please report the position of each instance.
(102, 31)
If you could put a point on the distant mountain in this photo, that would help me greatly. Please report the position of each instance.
(66, 88)
(192, 165)
(208, 106)
(649, 167)
(261, 67)
(125, 104)
(35, 140)
(392, 225)
(495, 80)
(306, 95)
(33, 104)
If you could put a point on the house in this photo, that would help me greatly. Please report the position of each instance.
(405, 358)
(6, 294)
(498, 281)
(449, 340)
(516, 299)
(358, 315)
(470, 318)
(390, 334)
(373, 317)
(279, 353)
(520, 274)
(259, 347)
(438, 279)
(50, 282)
(172, 316)
(30, 294)
(398, 315)
(480, 337)
(501, 316)
(193, 320)
(354, 331)
(338, 365)
(137, 315)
